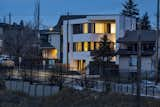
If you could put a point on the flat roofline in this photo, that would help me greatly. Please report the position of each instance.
(96, 15)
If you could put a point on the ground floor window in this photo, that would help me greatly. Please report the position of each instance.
(81, 64)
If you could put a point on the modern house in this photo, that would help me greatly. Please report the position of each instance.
(52, 41)
(81, 36)
(128, 52)
(50, 46)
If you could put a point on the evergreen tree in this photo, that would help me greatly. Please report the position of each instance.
(106, 50)
(145, 22)
(104, 54)
(21, 23)
(130, 9)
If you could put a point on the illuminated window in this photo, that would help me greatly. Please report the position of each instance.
(85, 46)
(100, 28)
(92, 46)
(85, 28)
(53, 54)
(50, 54)
(97, 45)
(113, 28)
(81, 65)
(79, 47)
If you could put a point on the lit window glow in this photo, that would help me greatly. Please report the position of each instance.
(99, 28)
(79, 47)
(113, 28)
(50, 53)
(92, 46)
(85, 46)
(85, 28)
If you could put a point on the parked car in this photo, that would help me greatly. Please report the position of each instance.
(5, 61)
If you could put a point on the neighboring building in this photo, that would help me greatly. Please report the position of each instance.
(128, 52)
(50, 46)
(85, 33)
(3, 28)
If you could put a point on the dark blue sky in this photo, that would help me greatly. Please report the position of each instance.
(52, 9)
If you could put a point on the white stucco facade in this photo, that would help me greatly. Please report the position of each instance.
(122, 24)
(54, 40)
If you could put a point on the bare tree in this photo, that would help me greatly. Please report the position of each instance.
(20, 41)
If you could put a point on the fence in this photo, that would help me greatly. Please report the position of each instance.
(49, 77)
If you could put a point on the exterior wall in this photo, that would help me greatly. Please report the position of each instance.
(1, 31)
(146, 65)
(54, 40)
(120, 29)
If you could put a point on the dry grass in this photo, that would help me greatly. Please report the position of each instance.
(72, 98)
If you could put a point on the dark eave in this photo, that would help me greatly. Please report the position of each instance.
(133, 36)
(46, 45)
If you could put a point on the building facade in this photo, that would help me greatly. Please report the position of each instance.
(128, 53)
(50, 46)
(84, 34)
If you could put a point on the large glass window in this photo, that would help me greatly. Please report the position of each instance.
(100, 28)
(91, 46)
(113, 28)
(77, 28)
(81, 65)
(85, 46)
(97, 27)
(79, 46)
(97, 45)
(85, 28)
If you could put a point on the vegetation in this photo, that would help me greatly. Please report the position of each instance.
(130, 9)
(103, 56)
(20, 40)
(145, 22)
(72, 98)
(106, 50)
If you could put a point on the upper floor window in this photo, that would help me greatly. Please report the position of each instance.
(100, 28)
(97, 27)
(85, 46)
(77, 28)
(85, 28)
(113, 28)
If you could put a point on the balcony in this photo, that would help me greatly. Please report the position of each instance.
(127, 52)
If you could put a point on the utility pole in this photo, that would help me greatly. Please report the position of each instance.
(67, 40)
(10, 18)
(139, 69)
(4, 19)
(37, 23)
(157, 45)
(37, 14)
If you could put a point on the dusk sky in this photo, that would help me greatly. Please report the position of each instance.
(52, 9)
